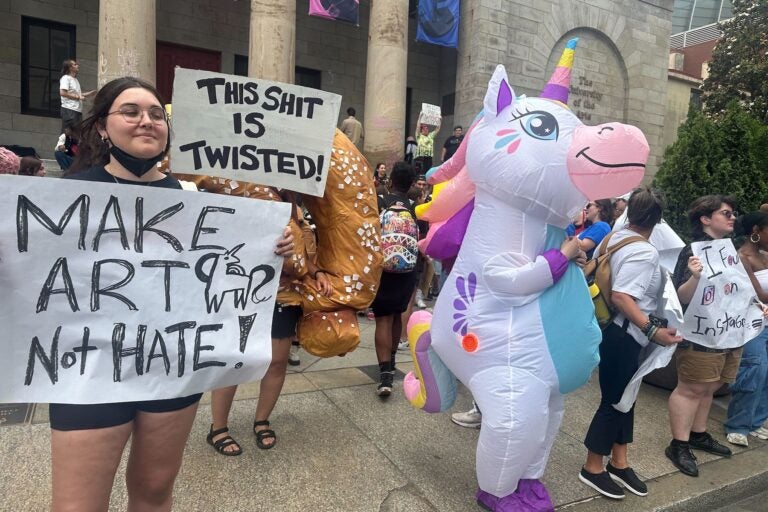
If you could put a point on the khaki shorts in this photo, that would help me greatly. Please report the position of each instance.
(699, 367)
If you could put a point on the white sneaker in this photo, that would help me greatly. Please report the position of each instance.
(420, 299)
(470, 419)
(293, 355)
(737, 439)
(403, 345)
(760, 433)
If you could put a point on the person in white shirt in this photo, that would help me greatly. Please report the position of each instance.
(635, 284)
(71, 95)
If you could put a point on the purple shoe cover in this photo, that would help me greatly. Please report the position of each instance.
(530, 496)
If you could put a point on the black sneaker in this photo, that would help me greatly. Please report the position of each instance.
(385, 384)
(682, 458)
(704, 441)
(628, 479)
(602, 483)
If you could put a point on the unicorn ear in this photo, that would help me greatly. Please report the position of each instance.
(499, 95)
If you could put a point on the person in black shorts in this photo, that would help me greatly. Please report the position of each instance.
(395, 289)
(284, 320)
(122, 141)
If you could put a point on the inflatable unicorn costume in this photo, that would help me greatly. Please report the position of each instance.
(515, 321)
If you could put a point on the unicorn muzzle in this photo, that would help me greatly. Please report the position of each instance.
(607, 160)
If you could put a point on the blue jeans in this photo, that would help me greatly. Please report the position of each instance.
(748, 408)
(63, 159)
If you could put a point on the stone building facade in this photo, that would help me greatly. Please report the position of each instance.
(378, 67)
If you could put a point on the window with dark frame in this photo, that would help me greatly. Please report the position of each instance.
(696, 99)
(241, 65)
(447, 104)
(44, 47)
(305, 77)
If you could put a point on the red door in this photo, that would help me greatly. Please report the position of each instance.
(170, 56)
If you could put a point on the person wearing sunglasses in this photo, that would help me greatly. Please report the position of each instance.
(701, 371)
(598, 217)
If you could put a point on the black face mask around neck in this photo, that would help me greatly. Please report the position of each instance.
(138, 166)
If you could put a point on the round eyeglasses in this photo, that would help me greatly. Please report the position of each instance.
(133, 114)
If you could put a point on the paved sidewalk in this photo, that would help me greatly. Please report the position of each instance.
(341, 449)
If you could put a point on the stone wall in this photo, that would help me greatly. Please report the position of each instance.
(338, 50)
(37, 131)
(678, 101)
(620, 64)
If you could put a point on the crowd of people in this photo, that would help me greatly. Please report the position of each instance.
(112, 145)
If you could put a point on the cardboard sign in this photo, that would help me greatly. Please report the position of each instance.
(430, 114)
(252, 130)
(723, 312)
(116, 293)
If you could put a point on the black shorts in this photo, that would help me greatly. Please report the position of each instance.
(70, 118)
(284, 320)
(394, 293)
(91, 416)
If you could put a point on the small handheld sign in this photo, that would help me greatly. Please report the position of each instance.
(723, 312)
(430, 114)
(253, 130)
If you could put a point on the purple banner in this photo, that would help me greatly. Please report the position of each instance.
(339, 10)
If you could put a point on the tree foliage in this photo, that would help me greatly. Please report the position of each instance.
(728, 155)
(739, 66)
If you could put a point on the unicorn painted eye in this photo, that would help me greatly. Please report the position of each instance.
(540, 125)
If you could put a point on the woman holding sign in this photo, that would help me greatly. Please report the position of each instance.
(700, 370)
(125, 137)
(425, 145)
(748, 408)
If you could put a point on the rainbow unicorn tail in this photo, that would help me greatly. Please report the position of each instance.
(433, 388)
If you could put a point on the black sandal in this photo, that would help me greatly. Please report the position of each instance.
(221, 444)
(261, 435)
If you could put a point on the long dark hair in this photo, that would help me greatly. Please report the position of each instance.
(92, 150)
(605, 207)
(66, 66)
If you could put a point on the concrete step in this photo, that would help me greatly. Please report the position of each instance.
(52, 168)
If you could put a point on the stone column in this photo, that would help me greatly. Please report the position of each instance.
(473, 69)
(385, 81)
(127, 40)
(272, 42)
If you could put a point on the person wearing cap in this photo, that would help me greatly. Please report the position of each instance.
(9, 162)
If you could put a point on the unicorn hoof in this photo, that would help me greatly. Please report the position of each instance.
(411, 386)
(530, 496)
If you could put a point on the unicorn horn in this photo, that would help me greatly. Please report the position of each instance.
(557, 87)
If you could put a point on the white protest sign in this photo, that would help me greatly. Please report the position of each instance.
(253, 130)
(655, 356)
(430, 114)
(117, 293)
(722, 312)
